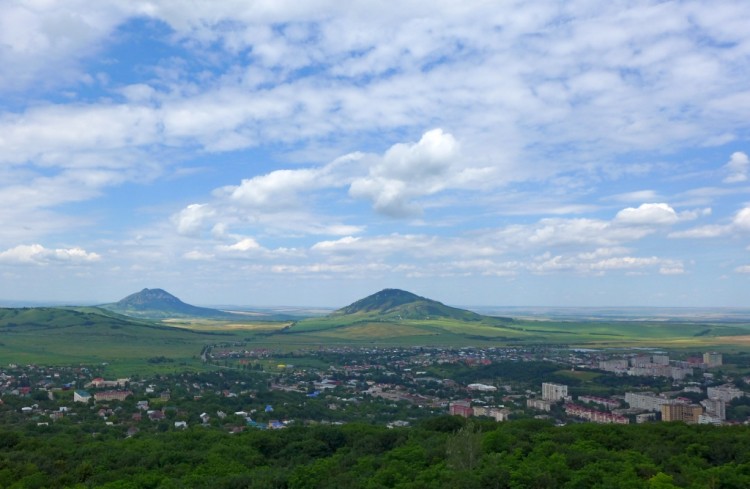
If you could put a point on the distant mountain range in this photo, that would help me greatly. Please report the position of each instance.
(388, 304)
(160, 304)
(400, 304)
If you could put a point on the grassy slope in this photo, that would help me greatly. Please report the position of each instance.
(88, 335)
(358, 328)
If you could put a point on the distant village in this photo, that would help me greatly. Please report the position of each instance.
(245, 388)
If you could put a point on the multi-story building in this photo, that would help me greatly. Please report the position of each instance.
(112, 395)
(715, 407)
(593, 415)
(689, 413)
(640, 361)
(616, 365)
(645, 400)
(710, 419)
(608, 403)
(461, 408)
(713, 359)
(554, 392)
(493, 412)
(660, 359)
(540, 404)
(725, 392)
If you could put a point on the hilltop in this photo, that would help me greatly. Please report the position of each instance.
(394, 313)
(400, 304)
(159, 304)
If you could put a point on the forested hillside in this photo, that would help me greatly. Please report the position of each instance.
(441, 452)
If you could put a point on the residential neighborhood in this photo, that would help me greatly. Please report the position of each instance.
(262, 389)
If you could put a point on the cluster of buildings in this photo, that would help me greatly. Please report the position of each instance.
(465, 409)
(648, 365)
(594, 415)
(711, 410)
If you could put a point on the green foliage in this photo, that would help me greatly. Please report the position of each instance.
(522, 454)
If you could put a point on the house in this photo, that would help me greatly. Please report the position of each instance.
(180, 424)
(155, 415)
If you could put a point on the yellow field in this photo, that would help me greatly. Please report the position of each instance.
(374, 330)
(215, 325)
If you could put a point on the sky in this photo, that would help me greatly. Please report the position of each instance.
(516, 153)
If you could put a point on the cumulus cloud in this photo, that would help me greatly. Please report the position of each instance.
(739, 223)
(288, 198)
(39, 255)
(408, 171)
(190, 220)
(648, 215)
(743, 269)
(737, 168)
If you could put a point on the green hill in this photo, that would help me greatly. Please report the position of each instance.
(404, 317)
(160, 304)
(400, 304)
(72, 335)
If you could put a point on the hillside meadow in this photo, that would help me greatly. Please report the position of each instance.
(91, 335)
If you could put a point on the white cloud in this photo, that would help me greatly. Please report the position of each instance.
(279, 189)
(585, 263)
(191, 220)
(742, 219)
(676, 269)
(197, 255)
(708, 231)
(743, 269)
(740, 223)
(245, 244)
(42, 42)
(648, 215)
(39, 255)
(636, 196)
(409, 171)
(737, 168)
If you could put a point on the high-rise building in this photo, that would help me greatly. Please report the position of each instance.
(715, 407)
(713, 359)
(688, 413)
(554, 392)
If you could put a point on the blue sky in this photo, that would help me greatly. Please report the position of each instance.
(579, 153)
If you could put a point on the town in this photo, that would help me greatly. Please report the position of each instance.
(245, 388)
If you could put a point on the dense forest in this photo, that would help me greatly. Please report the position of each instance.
(440, 452)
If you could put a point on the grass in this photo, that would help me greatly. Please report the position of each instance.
(582, 375)
(72, 336)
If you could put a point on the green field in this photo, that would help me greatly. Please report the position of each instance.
(446, 331)
(71, 336)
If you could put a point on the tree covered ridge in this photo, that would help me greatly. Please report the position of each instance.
(440, 452)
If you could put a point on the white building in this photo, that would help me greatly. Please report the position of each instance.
(554, 392)
(725, 392)
(645, 400)
(715, 407)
